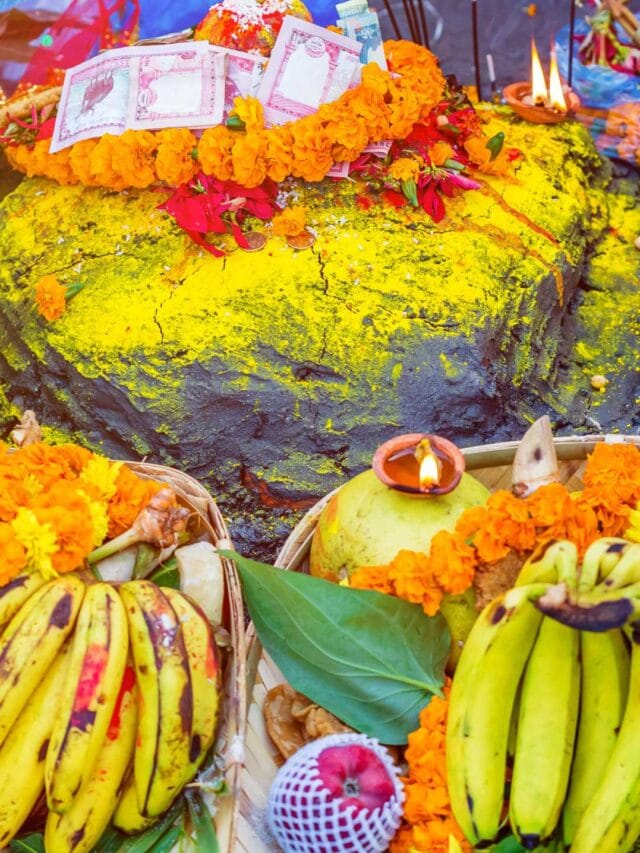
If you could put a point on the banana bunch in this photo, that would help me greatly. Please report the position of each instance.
(108, 704)
(544, 715)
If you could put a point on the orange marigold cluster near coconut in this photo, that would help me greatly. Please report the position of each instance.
(428, 820)
(58, 503)
(50, 297)
(488, 533)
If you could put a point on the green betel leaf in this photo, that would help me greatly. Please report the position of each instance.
(33, 843)
(371, 659)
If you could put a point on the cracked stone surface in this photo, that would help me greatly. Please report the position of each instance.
(273, 376)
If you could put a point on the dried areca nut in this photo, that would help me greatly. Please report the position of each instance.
(491, 581)
(284, 730)
(318, 723)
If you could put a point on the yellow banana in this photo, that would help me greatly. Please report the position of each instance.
(166, 698)
(546, 733)
(613, 813)
(22, 754)
(16, 592)
(603, 697)
(32, 640)
(78, 829)
(480, 709)
(204, 667)
(127, 815)
(97, 661)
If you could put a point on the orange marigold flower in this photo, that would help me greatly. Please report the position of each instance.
(375, 78)
(175, 163)
(291, 221)
(67, 512)
(405, 169)
(372, 577)
(476, 148)
(214, 152)
(249, 110)
(249, 157)
(132, 496)
(311, 150)
(80, 161)
(14, 556)
(453, 562)
(348, 131)
(440, 152)
(50, 297)
(279, 155)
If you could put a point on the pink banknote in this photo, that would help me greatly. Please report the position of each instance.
(243, 75)
(309, 66)
(176, 88)
(173, 85)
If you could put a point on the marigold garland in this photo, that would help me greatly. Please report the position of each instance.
(383, 106)
(58, 503)
(486, 534)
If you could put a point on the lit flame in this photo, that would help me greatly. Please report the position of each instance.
(430, 465)
(556, 95)
(539, 93)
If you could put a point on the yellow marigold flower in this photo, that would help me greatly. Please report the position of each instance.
(103, 475)
(250, 159)
(404, 169)
(80, 161)
(249, 110)
(214, 152)
(175, 163)
(375, 78)
(99, 519)
(290, 222)
(38, 540)
(50, 297)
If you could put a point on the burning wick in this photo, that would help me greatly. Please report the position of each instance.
(430, 465)
(552, 98)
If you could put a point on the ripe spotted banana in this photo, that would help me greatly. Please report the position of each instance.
(611, 821)
(32, 640)
(98, 657)
(166, 697)
(546, 733)
(204, 667)
(23, 752)
(16, 592)
(80, 827)
(480, 709)
(603, 698)
(127, 815)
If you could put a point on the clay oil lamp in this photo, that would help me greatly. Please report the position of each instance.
(419, 465)
(534, 101)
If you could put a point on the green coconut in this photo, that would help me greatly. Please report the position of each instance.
(366, 523)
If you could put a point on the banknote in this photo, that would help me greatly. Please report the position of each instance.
(309, 66)
(339, 170)
(176, 86)
(365, 29)
(94, 99)
(173, 85)
(379, 149)
(243, 75)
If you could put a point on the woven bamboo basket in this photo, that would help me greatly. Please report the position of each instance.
(206, 522)
(492, 465)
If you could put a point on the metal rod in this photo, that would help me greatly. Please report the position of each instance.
(476, 47)
(572, 29)
(423, 24)
(392, 18)
(409, 12)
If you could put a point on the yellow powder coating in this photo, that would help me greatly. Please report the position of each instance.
(352, 338)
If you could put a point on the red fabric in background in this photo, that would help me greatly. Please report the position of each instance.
(86, 27)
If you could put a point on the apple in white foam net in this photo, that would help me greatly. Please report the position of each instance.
(338, 793)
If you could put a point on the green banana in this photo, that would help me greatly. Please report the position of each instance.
(166, 696)
(603, 697)
(611, 820)
(32, 640)
(80, 827)
(546, 733)
(16, 592)
(24, 750)
(96, 666)
(204, 667)
(480, 709)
